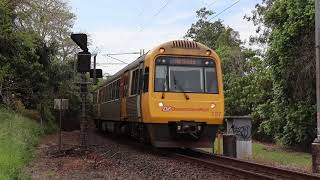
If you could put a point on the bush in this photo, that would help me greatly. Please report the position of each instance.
(18, 136)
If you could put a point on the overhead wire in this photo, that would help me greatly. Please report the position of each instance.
(157, 13)
(224, 10)
(206, 5)
(117, 59)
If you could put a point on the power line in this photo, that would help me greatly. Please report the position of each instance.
(105, 64)
(117, 59)
(211, 3)
(114, 54)
(164, 6)
(225, 10)
(157, 13)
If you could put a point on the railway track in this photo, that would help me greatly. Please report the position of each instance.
(238, 168)
(242, 167)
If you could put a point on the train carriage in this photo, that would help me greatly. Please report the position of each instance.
(171, 96)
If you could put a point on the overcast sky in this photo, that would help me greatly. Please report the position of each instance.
(117, 26)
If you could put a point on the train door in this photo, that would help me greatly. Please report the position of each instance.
(124, 84)
(139, 92)
(133, 100)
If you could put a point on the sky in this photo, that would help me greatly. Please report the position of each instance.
(116, 26)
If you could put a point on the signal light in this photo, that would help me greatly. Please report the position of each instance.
(83, 63)
(98, 73)
(208, 52)
(81, 40)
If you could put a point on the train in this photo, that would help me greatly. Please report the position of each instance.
(170, 97)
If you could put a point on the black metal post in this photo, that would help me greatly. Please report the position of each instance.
(83, 123)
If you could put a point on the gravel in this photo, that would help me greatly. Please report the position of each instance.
(107, 158)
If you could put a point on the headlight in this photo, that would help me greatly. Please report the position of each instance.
(213, 105)
(160, 104)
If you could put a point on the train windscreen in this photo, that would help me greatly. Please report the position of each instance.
(185, 74)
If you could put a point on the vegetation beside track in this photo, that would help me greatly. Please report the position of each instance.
(18, 137)
(274, 154)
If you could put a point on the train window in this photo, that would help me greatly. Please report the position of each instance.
(161, 78)
(134, 82)
(118, 89)
(105, 93)
(112, 91)
(211, 80)
(140, 81)
(146, 80)
(108, 93)
(101, 96)
(176, 74)
(185, 79)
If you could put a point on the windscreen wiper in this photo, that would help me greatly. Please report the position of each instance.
(180, 87)
(164, 88)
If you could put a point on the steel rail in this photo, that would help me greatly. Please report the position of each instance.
(243, 167)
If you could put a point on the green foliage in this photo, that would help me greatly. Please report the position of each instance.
(246, 79)
(16, 149)
(36, 56)
(277, 88)
(289, 33)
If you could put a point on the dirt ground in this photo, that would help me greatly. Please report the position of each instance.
(105, 158)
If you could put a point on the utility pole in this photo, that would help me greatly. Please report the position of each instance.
(316, 143)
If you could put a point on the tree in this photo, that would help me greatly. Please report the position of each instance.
(31, 54)
(287, 27)
(241, 67)
(52, 20)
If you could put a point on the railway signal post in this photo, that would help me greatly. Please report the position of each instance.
(83, 66)
(316, 143)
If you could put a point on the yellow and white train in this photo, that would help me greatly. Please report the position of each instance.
(171, 96)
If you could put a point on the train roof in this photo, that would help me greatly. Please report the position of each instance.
(128, 67)
(185, 44)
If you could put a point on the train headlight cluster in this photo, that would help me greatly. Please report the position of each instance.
(160, 104)
(178, 127)
(208, 52)
(161, 50)
(213, 105)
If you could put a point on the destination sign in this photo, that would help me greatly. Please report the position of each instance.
(185, 61)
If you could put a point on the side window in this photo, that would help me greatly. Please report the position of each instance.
(140, 81)
(108, 93)
(118, 89)
(105, 93)
(146, 80)
(101, 96)
(134, 82)
(112, 91)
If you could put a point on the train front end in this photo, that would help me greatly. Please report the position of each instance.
(184, 103)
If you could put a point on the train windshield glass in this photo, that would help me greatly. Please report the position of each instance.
(174, 74)
(185, 79)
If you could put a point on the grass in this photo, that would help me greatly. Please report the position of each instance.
(278, 155)
(18, 137)
(275, 155)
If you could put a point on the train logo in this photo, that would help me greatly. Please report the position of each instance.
(167, 108)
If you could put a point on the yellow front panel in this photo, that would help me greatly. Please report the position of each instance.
(174, 106)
